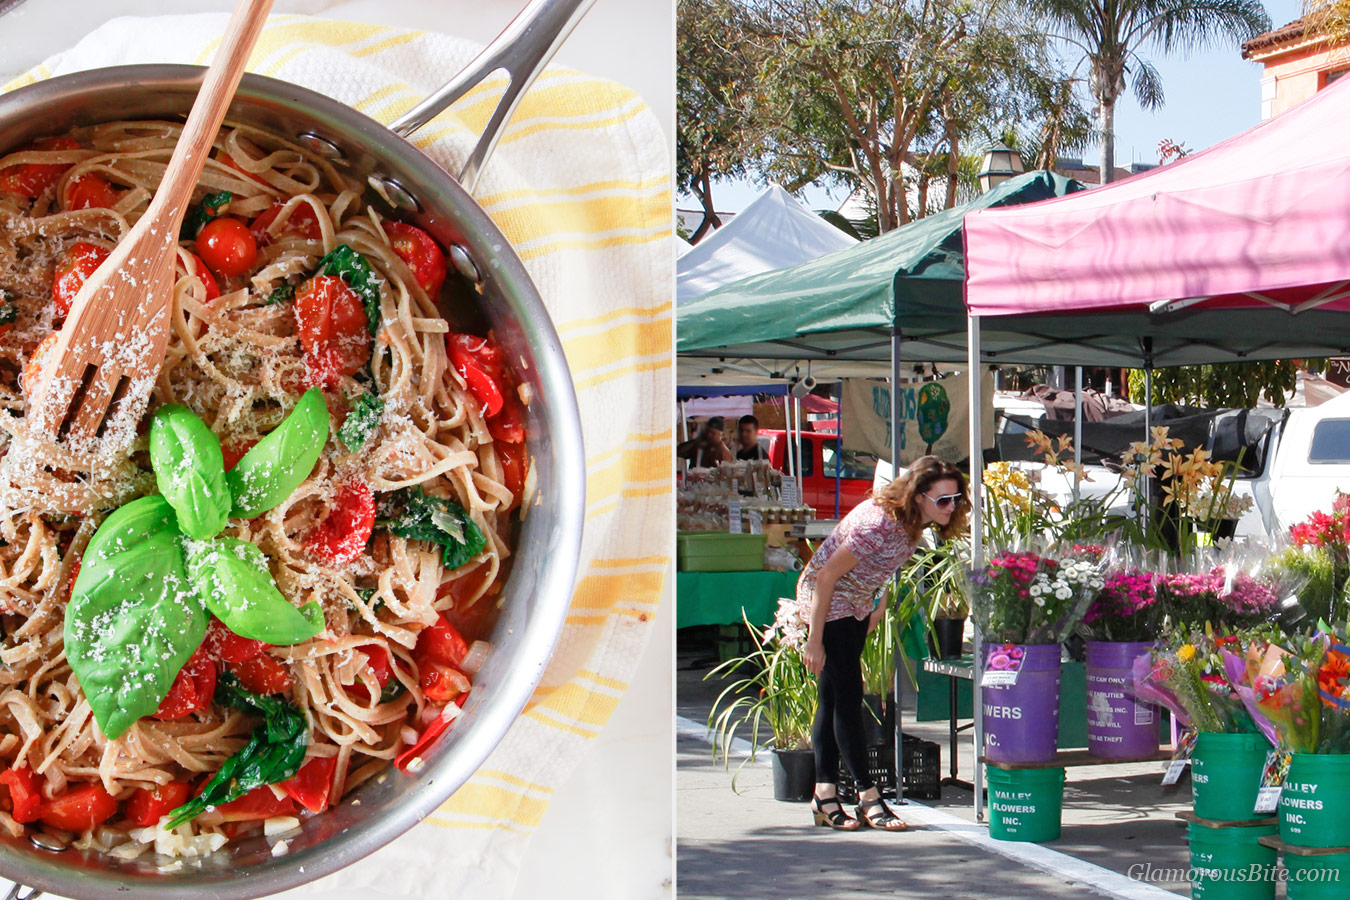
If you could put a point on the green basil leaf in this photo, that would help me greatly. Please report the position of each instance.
(273, 753)
(280, 462)
(190, 471)
(133, 618)
(283, 294)
(233, 578)
(351, 267)
(414, 514)
(392, 691)
(361, 421)
(203, 212)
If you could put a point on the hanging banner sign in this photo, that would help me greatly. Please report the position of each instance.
(934, 417)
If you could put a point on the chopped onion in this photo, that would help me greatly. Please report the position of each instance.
(280, 848)
(409, 735)
(473, 660)
(280, 825)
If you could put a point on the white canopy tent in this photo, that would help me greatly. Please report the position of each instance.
(774, 232)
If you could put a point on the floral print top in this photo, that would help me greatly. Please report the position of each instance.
(881, 545)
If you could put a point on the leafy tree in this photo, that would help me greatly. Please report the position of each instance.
(1235, 385)
(1110, 34)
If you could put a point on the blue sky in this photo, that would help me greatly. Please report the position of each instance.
(1211, 95)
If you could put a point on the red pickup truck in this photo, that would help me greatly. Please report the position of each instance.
(819, 459)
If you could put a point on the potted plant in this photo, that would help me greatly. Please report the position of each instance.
(1120, 626)
(772, 692)
(941, 576)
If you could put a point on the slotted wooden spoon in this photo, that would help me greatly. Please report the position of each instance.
(110, 350)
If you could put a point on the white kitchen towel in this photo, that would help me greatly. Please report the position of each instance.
(580, 184)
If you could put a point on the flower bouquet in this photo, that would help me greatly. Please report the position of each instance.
(1295, 688)
(1227, 596)
(1125, 609)
(1023, 597)
(1186, 674)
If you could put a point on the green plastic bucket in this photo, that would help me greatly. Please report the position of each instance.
(1317, 877)
(1025, 804)
(1229, 864)
(1226, 775)
(1312, 803)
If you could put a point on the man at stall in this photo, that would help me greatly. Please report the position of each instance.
(747, 431)
(706, 449)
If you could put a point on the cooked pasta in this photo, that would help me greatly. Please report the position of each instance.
(244, 346)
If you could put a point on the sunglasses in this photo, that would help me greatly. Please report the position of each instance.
(946, 501)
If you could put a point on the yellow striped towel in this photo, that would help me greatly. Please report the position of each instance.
(580, 185)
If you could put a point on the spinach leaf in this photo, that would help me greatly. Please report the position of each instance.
(203, 212)
(275, 466)
(232, 577)
(414, 514)
(190, 471)
(392, 691)
(273, 753)
(133, 618)
(281, 294)
(352, 268)
(361, 421)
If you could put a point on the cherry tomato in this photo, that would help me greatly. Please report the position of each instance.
(378, 659)
(73, 271)
(193, 687)
(417, 248)
(441, 643)
(233, 451)
(208, 280)
(342, 536)
(301, 219)
(229, 161)
(32, 179)
(332, 327)
(74, 575)
(438, 726)
(79, 809)
(91, 191)
(259, 803)
(148, 805)
(509, 426)
(223, 644)
(25, 793)
(442, 683)
(262, 675)
(33, 370)
(512, 457)
(310, 786)
(227, 246)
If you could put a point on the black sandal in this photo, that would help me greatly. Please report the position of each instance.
(837, 819)
(883, 820)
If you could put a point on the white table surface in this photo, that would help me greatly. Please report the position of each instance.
(608, 834)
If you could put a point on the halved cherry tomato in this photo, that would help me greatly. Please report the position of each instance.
(422, 254)
(227, 246)
(223, 644)
(193, 687)
(301, 219)
(442, 683)
(33, 370)
(378, 659)
(79, 809)
(25, 793)
(74, 269)
(332, 328)
(342, 536)
(441, 643)
(438, 726)
(310, 786)
(259, 803)
(262, 675)
(229, 161)
(148, 805)
(90, 192)
(512, 458)
(203, 273)
(233, 451)
(476, 359)
(509, 425)
(31, 179)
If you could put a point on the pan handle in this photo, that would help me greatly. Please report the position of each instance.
(14, 893)
(523, 50)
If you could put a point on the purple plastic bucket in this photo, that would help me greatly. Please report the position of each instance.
(1021, 720)
(1118, 726)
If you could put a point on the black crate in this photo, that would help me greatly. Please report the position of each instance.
(922, 762)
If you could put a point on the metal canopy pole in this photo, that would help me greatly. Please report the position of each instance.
(976, 544)
(839, 451)
(1148, 417)
(897, 653)
(1077, 430)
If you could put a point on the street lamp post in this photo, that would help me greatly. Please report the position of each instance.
(1001, 162)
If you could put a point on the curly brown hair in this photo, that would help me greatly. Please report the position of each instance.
(898, 497)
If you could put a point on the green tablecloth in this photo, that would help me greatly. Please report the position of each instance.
(717, 598)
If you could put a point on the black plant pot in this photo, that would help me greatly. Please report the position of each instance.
(794, 775)
(950, 637)
(879, 722)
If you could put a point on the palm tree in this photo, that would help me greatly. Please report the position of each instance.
(1111, 33)
(1329, 18)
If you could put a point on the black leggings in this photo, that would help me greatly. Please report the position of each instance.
(838, 729)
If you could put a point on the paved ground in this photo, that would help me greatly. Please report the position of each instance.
(1114, 817)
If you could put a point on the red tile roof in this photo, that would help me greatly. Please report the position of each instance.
(1282, 35)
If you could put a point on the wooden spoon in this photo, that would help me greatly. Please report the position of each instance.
(109, 352)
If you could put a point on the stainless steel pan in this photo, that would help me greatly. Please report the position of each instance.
(495, 289)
